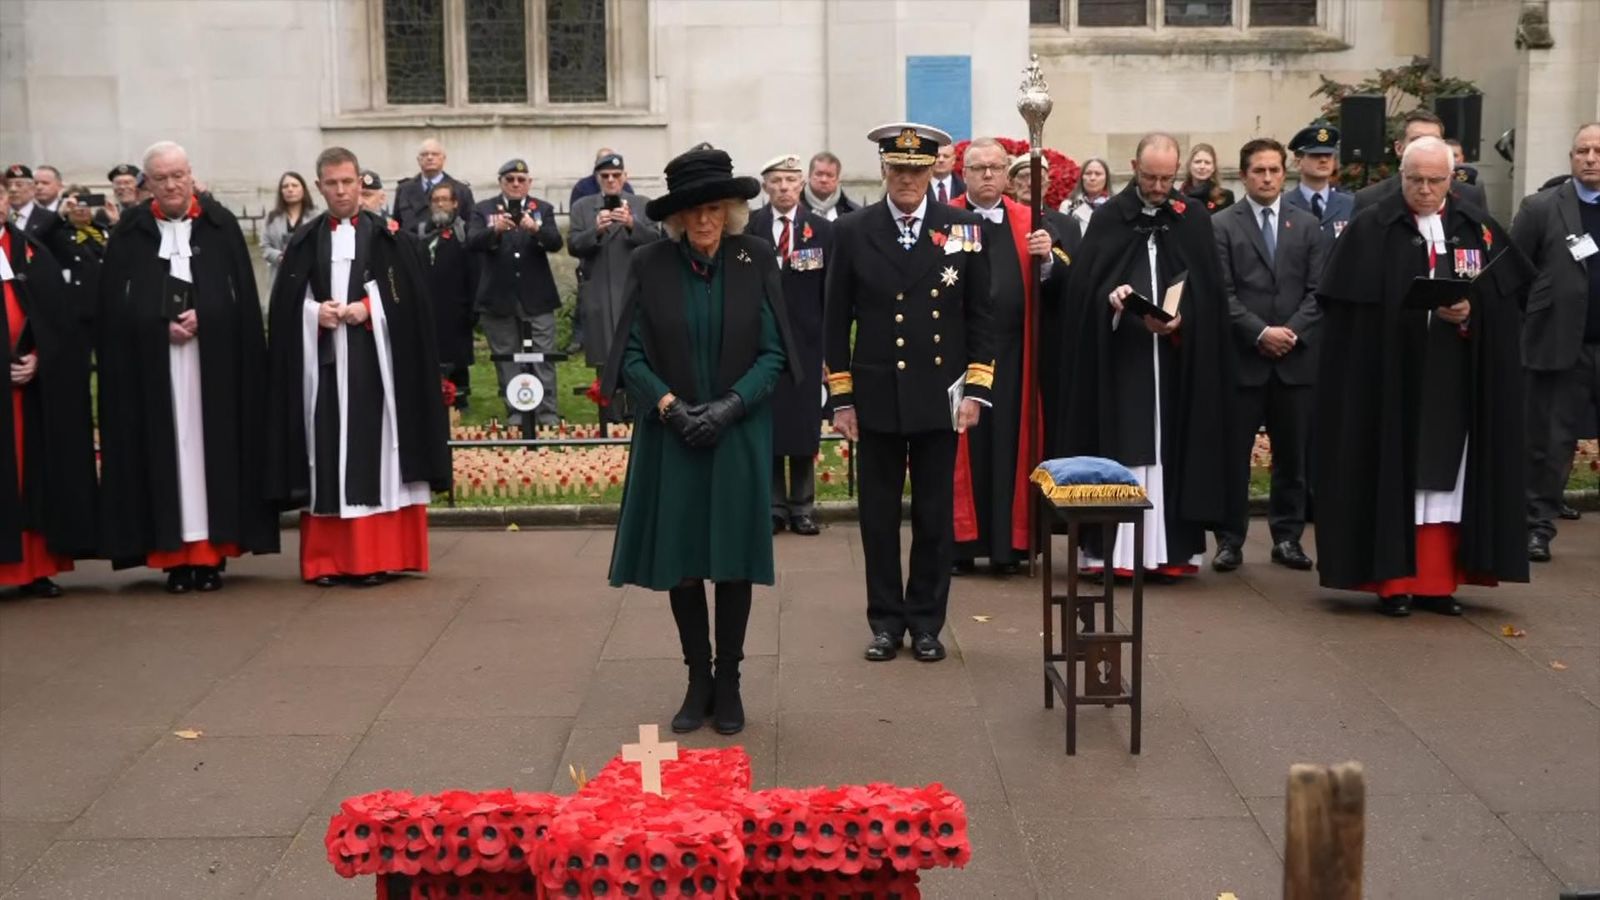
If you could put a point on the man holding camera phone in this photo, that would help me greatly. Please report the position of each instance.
(605, 228)
(516, 233)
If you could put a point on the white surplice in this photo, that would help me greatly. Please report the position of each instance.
(392, 492)
(188, 422)
(1436, 507)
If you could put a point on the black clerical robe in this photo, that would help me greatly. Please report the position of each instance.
(1148, 401)
(159, 498)
(1409, 404)
(47, 477)
(347, 421)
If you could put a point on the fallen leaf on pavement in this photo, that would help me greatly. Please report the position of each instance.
(1227, 895)
(513, 527)
(981, 618)
(189, 734)
(1512, 631)
(1558, 665)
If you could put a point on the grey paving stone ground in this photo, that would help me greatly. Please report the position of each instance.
(512, 660)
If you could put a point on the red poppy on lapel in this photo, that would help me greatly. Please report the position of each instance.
(1178, 207)
(938, 238)
(394, 225)
(445, 234)
(1488, 238)
(805, 232)
(1210, 204)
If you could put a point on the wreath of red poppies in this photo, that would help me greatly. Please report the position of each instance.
(709, 837)
(1063, 175)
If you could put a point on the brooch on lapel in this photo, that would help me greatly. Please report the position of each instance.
(949, 276)
(743, 256)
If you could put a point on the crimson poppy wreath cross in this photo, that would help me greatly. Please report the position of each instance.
(706, 836)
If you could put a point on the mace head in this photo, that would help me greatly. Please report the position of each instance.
(1033, 100)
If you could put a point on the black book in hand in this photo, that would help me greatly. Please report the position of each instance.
(1431, 293)
(1140, 305)
(177, 297)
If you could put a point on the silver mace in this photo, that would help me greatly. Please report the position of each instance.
(1034, 104)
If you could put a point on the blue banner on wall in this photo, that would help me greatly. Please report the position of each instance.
(939, 93)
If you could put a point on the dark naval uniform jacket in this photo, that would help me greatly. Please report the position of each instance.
(922, 317)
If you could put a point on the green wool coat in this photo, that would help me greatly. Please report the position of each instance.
(691, 513)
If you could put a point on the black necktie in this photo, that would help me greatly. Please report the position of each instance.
(1316, 205)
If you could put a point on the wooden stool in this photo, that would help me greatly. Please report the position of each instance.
(1100, 651)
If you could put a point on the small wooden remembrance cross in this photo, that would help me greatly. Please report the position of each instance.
(649, 753)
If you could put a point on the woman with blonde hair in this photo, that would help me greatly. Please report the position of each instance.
(702, 342)
(1200, 182)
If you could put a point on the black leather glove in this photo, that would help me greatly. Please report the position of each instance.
(711, 419)
(677, 419)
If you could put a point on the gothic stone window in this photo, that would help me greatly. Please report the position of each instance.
(488, 52)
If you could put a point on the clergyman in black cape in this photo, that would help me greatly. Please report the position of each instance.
(47, 479)
(1153, 397)
(182, 367)
(1419, 434)
(357, 431)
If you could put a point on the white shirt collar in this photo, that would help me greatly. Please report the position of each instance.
(1256, 208)
(25, 212)
(995, 213)
(1587, 195)
(1309, 192)
(920, 213)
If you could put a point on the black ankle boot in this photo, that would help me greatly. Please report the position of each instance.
(729, 715)
(694, 627)
(698, 701)
(733, 618)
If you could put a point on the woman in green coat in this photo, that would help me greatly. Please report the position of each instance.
(702, 342)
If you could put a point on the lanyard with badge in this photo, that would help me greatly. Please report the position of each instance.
(1581, 247)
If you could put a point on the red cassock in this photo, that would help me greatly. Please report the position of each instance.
(37, 560)
(394, 541)
(1029, 439)
(1438, 573)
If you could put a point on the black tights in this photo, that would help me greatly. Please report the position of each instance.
(694, 625)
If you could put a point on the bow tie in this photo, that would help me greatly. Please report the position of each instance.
(993, 215)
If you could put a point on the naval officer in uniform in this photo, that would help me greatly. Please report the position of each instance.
(910, 276)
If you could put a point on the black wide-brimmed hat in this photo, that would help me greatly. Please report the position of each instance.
(702, 175)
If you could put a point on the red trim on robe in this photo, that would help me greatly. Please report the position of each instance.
(192, 553)
(1437, 573)
(1031, 418)
(37, 561)
(387, 542)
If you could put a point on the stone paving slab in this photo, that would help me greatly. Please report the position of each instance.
(513, 659)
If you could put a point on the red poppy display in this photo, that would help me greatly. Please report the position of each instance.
(710, 836)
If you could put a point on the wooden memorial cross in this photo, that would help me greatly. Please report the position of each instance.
(650, 753)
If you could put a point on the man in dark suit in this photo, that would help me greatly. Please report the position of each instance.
(453, 280)
(909, 276)
(515, 233)
(41, 224)
(411, 195)
(1558, 229)
(946, 185)
(803, 243)
(1418, 123)
(1316, 155)
(1272, 256)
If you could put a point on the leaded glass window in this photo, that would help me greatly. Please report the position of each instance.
(576, 38)
(497, 51)
(413, 50)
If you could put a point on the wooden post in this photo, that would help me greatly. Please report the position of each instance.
(1326, 830)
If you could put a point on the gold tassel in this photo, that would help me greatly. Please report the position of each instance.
(1082, 493)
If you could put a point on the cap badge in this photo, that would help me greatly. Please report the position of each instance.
(1322, 134)
(908, 139)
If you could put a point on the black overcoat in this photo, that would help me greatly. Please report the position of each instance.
(799, 408)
